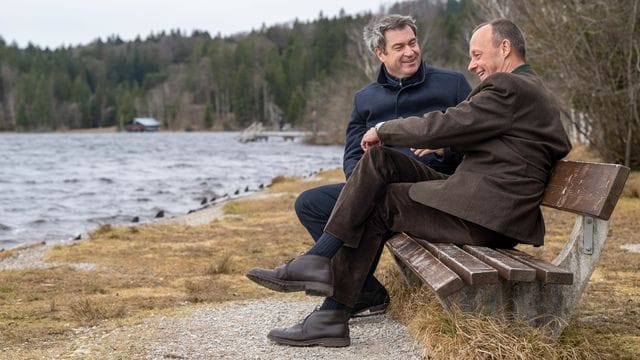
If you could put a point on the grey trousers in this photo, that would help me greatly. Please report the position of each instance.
(375, 201)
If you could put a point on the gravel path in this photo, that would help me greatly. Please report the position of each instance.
(237, 330)
(31, 258)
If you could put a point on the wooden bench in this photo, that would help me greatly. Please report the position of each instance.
(484, 280)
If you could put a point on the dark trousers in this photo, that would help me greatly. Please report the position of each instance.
(313, 208)
(375, 200)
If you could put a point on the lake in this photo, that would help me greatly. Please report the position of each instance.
(56, 186)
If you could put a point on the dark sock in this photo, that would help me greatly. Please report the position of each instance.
(330, 304)
(327, 246)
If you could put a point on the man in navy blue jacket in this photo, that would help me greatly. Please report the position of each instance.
(405, 87)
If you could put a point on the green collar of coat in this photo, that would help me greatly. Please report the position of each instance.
(521, 68)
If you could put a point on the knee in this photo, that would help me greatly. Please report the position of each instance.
(375, 151)
(303, 203)
(375, 154)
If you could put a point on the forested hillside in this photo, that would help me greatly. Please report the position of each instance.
(305, 73)
(302, 74)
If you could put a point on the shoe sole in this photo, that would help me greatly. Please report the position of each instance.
(371, 311)
(326, 342)
(309, 287)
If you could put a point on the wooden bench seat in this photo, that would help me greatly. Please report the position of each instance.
(507, 267)
(481, 279)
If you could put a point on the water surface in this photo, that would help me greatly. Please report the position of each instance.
(55, 186)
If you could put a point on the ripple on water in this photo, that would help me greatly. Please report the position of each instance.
(4, 227)
(181, 166)
(37, 222)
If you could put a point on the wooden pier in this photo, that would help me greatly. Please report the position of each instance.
(256, 132)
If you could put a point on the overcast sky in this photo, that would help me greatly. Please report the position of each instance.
(51, 23)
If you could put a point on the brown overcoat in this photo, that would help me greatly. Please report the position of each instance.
(510, 132)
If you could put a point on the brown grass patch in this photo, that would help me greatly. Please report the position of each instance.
(632, 187)
(222, 266)
(584, 153)
(87, 311)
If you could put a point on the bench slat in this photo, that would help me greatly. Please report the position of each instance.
(508, 267)
(469, 268)
(545, 272)
(585, 188)
(440, 278)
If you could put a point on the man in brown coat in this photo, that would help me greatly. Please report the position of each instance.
(510, 133)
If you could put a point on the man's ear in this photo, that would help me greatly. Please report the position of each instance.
(505, 47)
(380, 54)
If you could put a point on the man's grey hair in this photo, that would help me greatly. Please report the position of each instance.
(506, 29)
(373, 33)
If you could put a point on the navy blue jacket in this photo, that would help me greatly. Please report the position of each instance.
(429, 89)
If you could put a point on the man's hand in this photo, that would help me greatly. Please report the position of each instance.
(423, 152)
(370, 139)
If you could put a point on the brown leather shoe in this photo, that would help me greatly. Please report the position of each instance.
(309, 273)
(328, 328)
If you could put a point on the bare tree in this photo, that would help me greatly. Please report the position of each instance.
(367, 60)
(329, 105)
(590, 53)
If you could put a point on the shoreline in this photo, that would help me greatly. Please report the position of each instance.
(29, 255)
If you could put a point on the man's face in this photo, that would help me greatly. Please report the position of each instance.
(486, 59)
(401, 57)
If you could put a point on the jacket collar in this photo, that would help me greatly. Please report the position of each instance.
(521, 68)
(392, 83)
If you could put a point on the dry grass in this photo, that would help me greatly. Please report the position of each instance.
(584, 153)
(632, 187)
(154, 268)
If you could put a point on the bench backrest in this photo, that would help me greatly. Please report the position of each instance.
(585, 188)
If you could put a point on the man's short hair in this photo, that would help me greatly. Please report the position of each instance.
(373, 33)
(505, 29)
